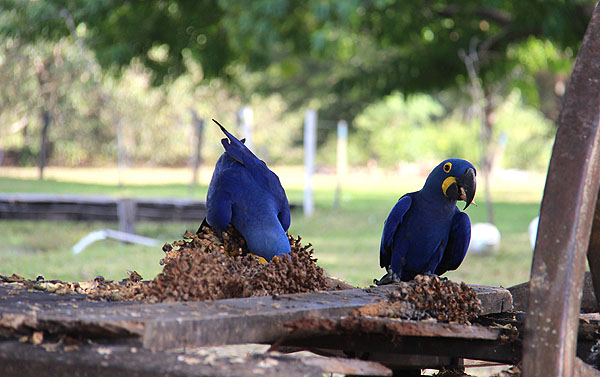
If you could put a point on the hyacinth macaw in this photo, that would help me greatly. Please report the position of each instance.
(426, 233)
(243, 191)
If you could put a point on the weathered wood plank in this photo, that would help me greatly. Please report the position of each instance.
(520, 293)
(182, 324)
(21, 359)
(493, 299)
(488, 350)
(384, 335)
(393, 361)
(96, 208)
(307, 327)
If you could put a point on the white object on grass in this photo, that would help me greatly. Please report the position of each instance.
(485, 238)
(533, 228)
(115, 234)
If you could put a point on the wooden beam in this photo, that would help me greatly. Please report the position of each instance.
(183, 324)
(489, 350)
(520, 295)
(566, 218)
(96, 208)
(58, 360)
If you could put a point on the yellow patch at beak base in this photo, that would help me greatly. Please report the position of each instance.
(447, 182)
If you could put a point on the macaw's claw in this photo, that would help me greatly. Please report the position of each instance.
(389, 278)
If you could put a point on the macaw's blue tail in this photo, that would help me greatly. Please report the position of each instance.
(234, 146)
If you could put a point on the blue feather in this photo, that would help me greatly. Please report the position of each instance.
(390, 226)
(243, 191)
(458, 243)
(425, 233)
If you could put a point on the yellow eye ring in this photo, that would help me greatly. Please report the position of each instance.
(447, 167)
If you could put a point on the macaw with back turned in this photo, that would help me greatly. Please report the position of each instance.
(426, 233)
(243, 191)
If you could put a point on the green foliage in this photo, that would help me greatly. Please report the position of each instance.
(541, 70)
(529, 135)
(62, 79)
(348, 53)
(118, 31)
(89, 111)
(414, 129)
(418, 129)
(212, 56)
(350, 56)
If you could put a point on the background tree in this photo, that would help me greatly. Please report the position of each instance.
(339, 56)
(356, 52)
(370, 48)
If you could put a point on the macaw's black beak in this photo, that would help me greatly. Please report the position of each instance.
(461, 187)
(467, 183)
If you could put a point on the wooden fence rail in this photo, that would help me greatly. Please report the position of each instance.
(98, 208)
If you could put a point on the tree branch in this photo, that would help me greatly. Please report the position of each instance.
(494, 15)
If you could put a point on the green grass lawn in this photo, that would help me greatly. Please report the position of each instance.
(345, 240)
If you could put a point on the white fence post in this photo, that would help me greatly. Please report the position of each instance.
(341, 160)
(310, 146)
(245, 117)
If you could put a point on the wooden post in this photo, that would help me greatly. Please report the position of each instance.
(310, 146)
(126, 209)
(566, 217)
(342, 160)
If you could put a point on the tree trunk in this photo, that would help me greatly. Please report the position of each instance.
(487, 154)
(46, 118)
(198, 125)
(48, 95)
(482, 100)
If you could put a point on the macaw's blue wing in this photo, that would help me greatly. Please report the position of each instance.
(260, 173)
(220, 197)
(458, 243)
(389, 230)
(246, 193)
(284, 213)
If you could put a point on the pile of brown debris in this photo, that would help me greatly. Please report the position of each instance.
(427, 297)
(207, 267)
(202, 267)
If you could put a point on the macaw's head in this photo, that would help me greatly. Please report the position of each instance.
(268, 241)
(455, 178)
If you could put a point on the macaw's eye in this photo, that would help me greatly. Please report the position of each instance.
(447, 167)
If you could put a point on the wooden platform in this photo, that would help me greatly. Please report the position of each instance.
(165, 327)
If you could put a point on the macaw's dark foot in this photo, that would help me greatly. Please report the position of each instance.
(431, 275)
(389, 278)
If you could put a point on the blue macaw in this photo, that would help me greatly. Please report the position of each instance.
(244, 192)
(425, 233)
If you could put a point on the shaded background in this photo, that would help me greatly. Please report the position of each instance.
(106, 97)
